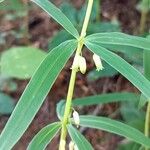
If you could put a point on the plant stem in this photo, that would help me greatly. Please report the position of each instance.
(145, 9)
(143, 21)
(146, 58)
(67, 112)
(147, 123)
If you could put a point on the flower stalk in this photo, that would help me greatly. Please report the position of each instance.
(67, 112)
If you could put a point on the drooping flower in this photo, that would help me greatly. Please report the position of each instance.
(98, 62)
(76, 118)
(82, 64)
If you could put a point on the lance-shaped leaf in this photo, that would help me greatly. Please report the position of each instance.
(97, 99)
(44, 137)
(115, 127)
(134, 76)
(105, 98)
(119, 39)
(80, 141)
(35, 93)
(58, 16)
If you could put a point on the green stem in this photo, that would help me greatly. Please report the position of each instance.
(147, 123)
(145, 8)
(143, 21)
(146, 58)
(67, 112)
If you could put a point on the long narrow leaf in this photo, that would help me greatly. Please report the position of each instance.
(115, 127)
(97, 99)
(57, 15)
(116, 38)
(35, 93)
(44, 137)
(79, 139)
(105, 98)
(134, 76)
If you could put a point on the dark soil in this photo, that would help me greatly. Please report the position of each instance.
(41, 29)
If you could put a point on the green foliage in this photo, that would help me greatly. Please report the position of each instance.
(6, 104)
(135, 77)
(119, 39)
(77, 17)
(42, 139)
(97, 100)
(115, 127)
(30, 102)
(79, 139)
(21, 62)
(105, 98)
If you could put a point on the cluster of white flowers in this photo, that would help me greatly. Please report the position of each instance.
(80, 63)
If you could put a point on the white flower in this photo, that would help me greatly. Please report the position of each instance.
(82, 64)
(76, 118)
(75, 65)
(71, 145)
(98, 62)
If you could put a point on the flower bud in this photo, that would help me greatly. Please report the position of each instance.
(71, 145)
(76, 118)
(98, 62)
(75, 65)
(82, 64)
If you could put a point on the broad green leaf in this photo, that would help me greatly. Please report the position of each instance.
(115, 127)
(35, 93)
(108, 71)
(21, 62)
(7, 104)
(105, 98)
(116, 38)
(57, 15)
(79, 139)
(44, 137)
(134, 76)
